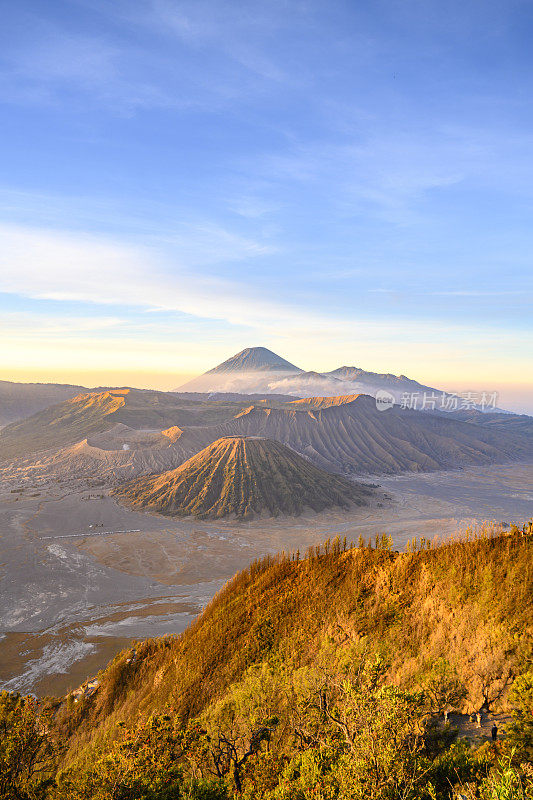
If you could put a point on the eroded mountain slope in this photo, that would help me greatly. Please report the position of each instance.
(95, 412)
(244, 477)
(341, 435)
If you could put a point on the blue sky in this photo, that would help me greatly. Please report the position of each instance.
(344, 182)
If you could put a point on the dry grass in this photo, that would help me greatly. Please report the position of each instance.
(466, 602)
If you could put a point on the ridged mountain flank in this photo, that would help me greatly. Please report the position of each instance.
(92, 413)
(353, 437)
(244, 477)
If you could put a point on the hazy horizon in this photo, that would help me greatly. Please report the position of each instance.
(512, 397)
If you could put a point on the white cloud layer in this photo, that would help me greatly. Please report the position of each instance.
(55, 265)
(63, 266)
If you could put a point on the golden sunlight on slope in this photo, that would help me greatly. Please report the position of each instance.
(325, 402)
(244, 476)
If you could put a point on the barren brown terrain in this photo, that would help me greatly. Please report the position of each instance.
(130, 433)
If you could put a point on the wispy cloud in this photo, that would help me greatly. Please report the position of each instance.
(241, 32)
(75, 267)
(456, 292)
(66, 58)
(159, 55)
(24, 325)
(386, 174)
(69, 267)
(251, 207)
(200, 320)
(479, 293)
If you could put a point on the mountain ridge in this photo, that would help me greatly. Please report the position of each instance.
(90, 413)
(351, 437)
(356, 438)
(260, 371)
(20, 400)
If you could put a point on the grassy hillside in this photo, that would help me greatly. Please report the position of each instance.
(470, 603)
(323, 677)
(245, 477)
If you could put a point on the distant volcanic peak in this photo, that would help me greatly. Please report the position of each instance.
(242, 476)
(249, 372)
(345, 369)
(255, 359)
